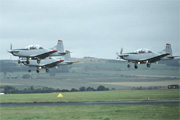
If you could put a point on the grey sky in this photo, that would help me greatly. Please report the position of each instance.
(96, 28)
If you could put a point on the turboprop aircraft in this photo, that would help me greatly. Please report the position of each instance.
(37, 52)
(45, 63)
(50, 62)
(146, 56)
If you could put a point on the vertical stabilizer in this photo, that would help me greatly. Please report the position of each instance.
(168, 49)
(67, 56)
(59, 46)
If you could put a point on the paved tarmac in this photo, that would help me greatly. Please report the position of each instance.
(90, 103)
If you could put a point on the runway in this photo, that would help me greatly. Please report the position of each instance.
(89, 103)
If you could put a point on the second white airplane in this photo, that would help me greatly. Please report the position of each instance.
(49, 62)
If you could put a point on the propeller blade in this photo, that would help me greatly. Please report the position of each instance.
(121, 51)
(11, 47)
(117, 53)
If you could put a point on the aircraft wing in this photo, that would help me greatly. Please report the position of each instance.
(173, 57)
(156, 58)
(43, 55)
(53, 64)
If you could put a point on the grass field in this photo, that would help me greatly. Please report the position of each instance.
(123, 95)
(111, 75)
(93, 112)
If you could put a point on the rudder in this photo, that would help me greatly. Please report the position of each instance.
(168, 49)
(68, 56)
(59, 46)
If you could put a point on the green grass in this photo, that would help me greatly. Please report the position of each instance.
(93, 112)
(123, 95)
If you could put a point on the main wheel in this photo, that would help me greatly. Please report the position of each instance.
(135, 66)
(38, 61)
(128, 66)
(148, 65)
(37, 71)
(27, 62)
(29, 70)
(47, 70)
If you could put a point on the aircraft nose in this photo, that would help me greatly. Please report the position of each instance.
(13, 51)
(10, 51)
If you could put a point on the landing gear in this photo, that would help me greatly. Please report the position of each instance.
(128, 66)
(37, 70)
(148, 65)
(29, 70)
(38, 61)
(135, 66)
(47, 70)
(19, 62)
(27, 62)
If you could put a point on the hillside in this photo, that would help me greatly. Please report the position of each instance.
(92, 72)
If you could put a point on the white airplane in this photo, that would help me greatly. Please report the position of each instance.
(45, 63)
(49, 62)
(146, 56)
(37, 52)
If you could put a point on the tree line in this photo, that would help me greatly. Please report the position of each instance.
(31, 89)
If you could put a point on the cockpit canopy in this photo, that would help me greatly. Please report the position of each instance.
(31, 47)
(143, 51)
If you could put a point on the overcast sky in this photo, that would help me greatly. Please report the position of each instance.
(95, 28)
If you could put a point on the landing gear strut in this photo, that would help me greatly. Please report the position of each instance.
(47, 70)
(27, 62)
(148, 65)
(135, 66)
(38, 61)
(19, 62)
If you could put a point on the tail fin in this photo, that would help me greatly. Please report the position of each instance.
(168, 49)
(59, 47)
(67, 57)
